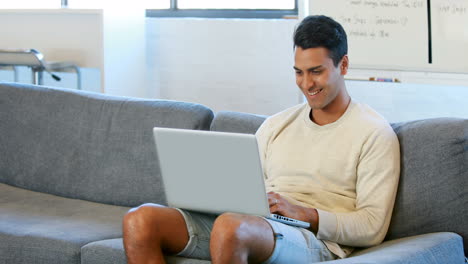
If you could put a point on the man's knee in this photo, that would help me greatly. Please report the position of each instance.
(243, 237)
(142, 220)
(230, 227)
(151, 224)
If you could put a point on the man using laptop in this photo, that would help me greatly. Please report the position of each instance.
(331, 162)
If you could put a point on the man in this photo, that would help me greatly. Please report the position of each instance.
(332, 162)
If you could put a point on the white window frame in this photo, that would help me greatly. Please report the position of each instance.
(174, 11)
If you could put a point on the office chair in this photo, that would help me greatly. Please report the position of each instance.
(35, 60)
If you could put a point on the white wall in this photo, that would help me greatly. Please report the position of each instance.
(399, 102)
(246, 65)
(226, 64)
(109, 40)
(60, 34)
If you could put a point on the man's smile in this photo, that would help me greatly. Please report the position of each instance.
(314, 93)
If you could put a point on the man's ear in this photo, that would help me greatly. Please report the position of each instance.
(344, 65)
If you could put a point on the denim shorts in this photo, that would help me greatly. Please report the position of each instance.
(292, 244)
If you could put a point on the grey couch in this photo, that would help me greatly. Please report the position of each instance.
(72, 163)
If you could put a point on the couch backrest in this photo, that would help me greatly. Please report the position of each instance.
(88, 146)
(226, 121)
(433, 190)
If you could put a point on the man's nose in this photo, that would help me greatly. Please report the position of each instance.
(307, 82)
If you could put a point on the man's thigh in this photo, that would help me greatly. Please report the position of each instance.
(199, 226)
(292, 244)
(296, 245)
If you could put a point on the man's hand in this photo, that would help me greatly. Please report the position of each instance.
(281, 206)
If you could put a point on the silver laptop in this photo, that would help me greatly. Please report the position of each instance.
(214, 172)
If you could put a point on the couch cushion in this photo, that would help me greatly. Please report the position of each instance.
(431, 248)
(432, 194)
(226, 121)
(111, 252)
(85, 145)
(43, 228)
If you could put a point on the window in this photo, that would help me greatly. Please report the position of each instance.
(223, 8)
(30, 4)
(85, 4)
(144, 4)
(178, 8)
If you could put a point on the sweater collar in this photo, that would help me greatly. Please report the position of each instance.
(311, 124)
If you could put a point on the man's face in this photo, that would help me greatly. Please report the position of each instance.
(319, 80)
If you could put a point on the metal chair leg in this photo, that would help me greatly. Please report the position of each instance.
(37, 77)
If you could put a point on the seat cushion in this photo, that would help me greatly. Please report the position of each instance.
(428, 248)
(433, 248)
(111, 252)
(43, 228)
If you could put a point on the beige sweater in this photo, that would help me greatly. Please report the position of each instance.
(348, 170)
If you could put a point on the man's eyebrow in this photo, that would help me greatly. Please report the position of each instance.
(310, 69)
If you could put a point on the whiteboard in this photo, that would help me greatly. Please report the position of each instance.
(414, 35)
(450, 35)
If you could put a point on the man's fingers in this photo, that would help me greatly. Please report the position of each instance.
(272, 201)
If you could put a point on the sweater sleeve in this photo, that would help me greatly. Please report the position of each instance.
(263, 136)
(378, 171)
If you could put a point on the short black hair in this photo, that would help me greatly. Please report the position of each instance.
(322, 31)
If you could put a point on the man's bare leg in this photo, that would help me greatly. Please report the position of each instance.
(150, 231)
(237, 238)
